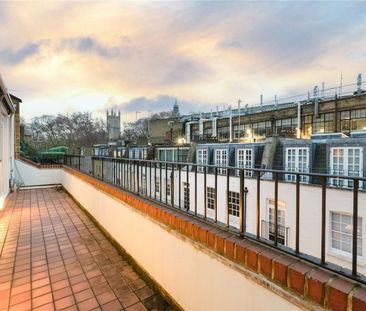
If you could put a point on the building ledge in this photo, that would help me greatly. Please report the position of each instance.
(303, 283)
(38, 165)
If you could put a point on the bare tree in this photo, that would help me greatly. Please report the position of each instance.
(73, 130)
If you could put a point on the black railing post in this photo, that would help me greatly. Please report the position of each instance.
(276, 209)
(195, 190)
(179, 186)
(215, 205)
(150, 177)
(92, 164)
(187, 194)
(205, 192)
(297, 227)
(355, 226)
(172, 185)
(103, 168)
(241, 202)
(79, 163)
(155, 181)
(166, 182)
(160, 182)
(258, 202)
(138, 175)
(227, 197)
(324, 202)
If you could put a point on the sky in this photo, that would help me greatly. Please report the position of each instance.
(138, 56)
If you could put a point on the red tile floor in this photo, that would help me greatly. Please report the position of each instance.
(52, 257)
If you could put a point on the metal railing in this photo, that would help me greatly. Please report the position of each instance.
(178, 185)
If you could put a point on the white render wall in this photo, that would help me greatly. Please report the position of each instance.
(29, 175)
(196, 279)
(337, 200)
(6, 152)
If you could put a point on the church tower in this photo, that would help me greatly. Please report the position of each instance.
(113, 125)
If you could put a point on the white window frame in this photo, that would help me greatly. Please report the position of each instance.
(221, 159)
(346, 183)
(281, 220)
(210, 201)
(245, 159)
(201, 159)
(344, 235)
(296, 165)
(234, 199)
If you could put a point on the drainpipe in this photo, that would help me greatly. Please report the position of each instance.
(188, 132)
(231, 128)
(298, 136)
(214, 127)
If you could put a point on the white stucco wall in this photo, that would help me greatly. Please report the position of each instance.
(196, 279)
(29, 175)
(337, 200)
(6, 151)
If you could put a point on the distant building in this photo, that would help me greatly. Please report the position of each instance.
(166, 129)
(113, 125)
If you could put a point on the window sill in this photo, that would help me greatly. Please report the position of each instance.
(346, 257)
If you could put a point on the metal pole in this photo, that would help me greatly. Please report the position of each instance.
(355, 227)
(297, 213)
(324, 189)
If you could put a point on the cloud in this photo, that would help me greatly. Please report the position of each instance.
(12, 56)
(146, 106)
(92, 45)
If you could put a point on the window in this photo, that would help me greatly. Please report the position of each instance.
(186, 195)
(210, 202)
(297, 160)
(262, 129)
(341, 233)
(323, 124)
(345, 161)
(245, 160)
(234, 207)
(268, 227)
(223, 133)
(286, 127)
(201, 159)
(353, 120)
(221, 160)
(210, 196)
(307, 126)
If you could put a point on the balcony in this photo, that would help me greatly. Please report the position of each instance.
(53, 257)
(198, 256)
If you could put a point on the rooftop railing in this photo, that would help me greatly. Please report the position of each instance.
(234, 201)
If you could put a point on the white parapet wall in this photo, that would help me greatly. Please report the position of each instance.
(195, 277)
(30, 175)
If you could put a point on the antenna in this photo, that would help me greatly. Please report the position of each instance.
(276, 101)
(359, 83)
(261, 100)
(323, 90)
(341, 85)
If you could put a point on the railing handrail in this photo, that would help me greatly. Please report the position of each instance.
(132, 179)
(260, 170)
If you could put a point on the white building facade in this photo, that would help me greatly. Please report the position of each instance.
(7, 111)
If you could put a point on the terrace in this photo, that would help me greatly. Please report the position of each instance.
(191, 253)
(53, 257)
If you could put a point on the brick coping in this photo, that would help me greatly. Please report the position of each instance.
(316, 287)
(39, 165)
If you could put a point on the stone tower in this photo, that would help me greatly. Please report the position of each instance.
(113, 125)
